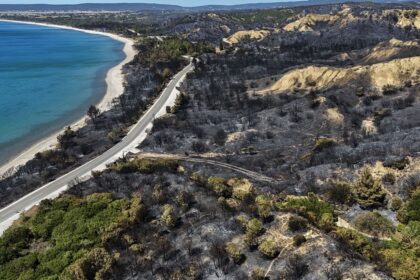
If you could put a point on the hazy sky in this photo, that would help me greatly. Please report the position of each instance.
(176, 2)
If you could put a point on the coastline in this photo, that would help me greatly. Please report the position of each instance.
(114, 87)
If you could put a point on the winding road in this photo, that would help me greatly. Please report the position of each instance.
(129, 143)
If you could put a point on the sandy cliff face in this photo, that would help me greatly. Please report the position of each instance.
(314, 22)
(383, 52)
(394, 73)
(310, 21)
(252, 34)
(409, 18)
(390, 50)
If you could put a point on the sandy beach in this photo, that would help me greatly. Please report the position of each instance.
(114, 80)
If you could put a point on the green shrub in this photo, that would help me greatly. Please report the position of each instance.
(74, 228)
(169, 51)
(198, 179)
(399, 256)
(137, 247)
(327, 221)
(159, 194)
(340, 193)
(264, 206)
(254, 228)
(168, 216)
(94, 265)
(396, 204)
(268, 247)
(235, 253)
(258, 273)
(184, 199)
(13, 241)
(297, 223)
(242, 189)
(298, 240)
(146, 166)
(402, 264)
(373, 223)
(241, 194)
(411, 210)
(353, 240)
(312, 208)
(243, 221)
(369, 191)
(218, 185)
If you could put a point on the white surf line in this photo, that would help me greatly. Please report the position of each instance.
(130, 148)
(114, 80)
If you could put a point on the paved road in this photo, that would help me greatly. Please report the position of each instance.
(129, 141)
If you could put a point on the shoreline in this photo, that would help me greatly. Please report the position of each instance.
(114, 80)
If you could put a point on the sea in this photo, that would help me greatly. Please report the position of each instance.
(48, 79)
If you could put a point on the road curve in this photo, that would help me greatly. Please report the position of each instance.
(131, 140)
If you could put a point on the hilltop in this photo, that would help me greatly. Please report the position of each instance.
(115, 7)
(291, 152)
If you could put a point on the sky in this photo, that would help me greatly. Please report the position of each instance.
(187, 3)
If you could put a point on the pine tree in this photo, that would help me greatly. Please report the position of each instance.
(369, 191)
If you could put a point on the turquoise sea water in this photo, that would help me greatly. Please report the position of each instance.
(48, 78)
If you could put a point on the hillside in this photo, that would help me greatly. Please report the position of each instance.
(292, 152)
(246, 34)
(347, 17)
(394, 74)
(384, 51)
(160, 7)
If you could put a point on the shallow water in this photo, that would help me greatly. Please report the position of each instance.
(48, 79)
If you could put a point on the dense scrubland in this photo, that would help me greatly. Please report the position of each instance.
(324, 106)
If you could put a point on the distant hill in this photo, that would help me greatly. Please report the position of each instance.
(90, 7)
(161, 7)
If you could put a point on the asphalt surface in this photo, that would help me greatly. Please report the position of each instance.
(43, 192)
